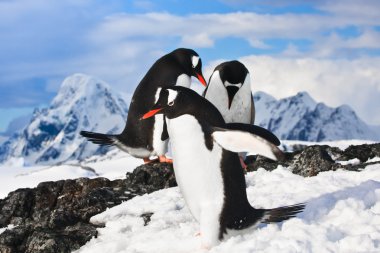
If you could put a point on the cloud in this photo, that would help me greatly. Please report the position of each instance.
(50, 40)
(333, 81)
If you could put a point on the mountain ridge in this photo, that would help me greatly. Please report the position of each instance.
(300, 117)
(52, 136)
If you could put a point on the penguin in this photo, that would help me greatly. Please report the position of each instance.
(144, 139)
(229, 89)
(213, 184)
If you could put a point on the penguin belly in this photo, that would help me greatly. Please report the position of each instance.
(198, 174)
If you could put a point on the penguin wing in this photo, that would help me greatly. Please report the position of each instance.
(255, 130)
(242, 141)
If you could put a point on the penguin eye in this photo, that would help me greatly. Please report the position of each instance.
(171, 103)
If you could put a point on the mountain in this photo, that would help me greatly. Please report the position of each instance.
(15, 126)
(52, 135)
(300, 117)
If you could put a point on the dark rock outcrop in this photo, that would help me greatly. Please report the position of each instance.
(54, 216)
(310, 160)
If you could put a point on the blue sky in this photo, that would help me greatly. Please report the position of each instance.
(329, 48)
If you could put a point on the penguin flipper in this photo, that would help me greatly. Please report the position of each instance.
(244, 141)
(256, 130)
(98, 138)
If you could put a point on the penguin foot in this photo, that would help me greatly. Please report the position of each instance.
(243, 163)
(147, 160)
(164, 159)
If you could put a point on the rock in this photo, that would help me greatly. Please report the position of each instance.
(362, 152)
(151, 177)
(54, 216)
(311, 160)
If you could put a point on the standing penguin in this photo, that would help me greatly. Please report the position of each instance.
(207, 169)
(229, 89)
(147, 138)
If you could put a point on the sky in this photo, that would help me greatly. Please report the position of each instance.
(330, 49)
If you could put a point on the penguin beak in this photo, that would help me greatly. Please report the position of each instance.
(150, 113)
(201, 79)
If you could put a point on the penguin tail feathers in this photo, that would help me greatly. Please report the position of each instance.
(282, 213)
(98, 138)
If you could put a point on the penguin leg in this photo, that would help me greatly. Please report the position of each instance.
(242, 163)
(164, 159)
(209, 227)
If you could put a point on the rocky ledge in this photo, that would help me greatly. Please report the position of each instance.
(54, 216)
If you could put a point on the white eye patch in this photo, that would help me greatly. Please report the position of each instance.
(226, 83)
(157, 95)
(195, 61)
(172, 96)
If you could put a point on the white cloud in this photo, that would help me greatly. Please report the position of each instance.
(335, 82)
(197, 40)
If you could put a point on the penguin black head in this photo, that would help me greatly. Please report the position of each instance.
(232, 75)
(176, 101)
(191, 62)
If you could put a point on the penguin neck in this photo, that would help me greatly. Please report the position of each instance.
(183, 80)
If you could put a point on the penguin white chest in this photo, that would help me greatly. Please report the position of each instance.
(240, 109)
(197, 169)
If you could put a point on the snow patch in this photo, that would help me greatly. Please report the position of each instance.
(342, 215)
(354, 161)
(9, 227)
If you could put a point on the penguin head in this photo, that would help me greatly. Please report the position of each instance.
(172, 102)
(191, 62)
(233, 75)
(177, 101)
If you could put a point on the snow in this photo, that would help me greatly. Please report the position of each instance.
(375, 159)
(354, 161)
(113, 165)
(3, 139)
(342, 212)
(342, 215)
(9, 227)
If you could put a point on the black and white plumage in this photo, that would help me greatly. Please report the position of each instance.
(145, 138)
(229, 89)
(208, 170)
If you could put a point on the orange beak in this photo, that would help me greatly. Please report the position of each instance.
(150, 113)
(201, 79)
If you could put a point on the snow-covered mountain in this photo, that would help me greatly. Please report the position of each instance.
(52, 135)
(301, 118)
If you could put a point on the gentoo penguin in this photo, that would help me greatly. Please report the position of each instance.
(213, 185)
(229, 89)
(143, 139)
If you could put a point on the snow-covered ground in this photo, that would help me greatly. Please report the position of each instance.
(113, 165)
(342, 215)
